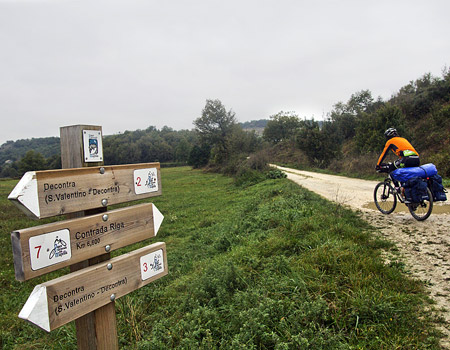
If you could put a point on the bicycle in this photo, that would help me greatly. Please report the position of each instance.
(388, 192)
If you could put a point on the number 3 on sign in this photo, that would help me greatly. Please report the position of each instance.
(146, 180)
(152, 264)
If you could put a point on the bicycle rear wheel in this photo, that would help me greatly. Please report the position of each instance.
(421, 211)
(385, 198)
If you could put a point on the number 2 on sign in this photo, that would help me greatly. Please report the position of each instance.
(145, 180)
(38, 250)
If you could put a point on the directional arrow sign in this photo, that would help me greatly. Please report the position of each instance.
(42, 249)
(42, 194)
(57, 302)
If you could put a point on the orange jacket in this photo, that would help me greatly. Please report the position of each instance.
(398, 145)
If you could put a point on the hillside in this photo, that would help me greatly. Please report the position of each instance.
(50, 146)
(14, 150)
(139, 146)
(255, 125)
(352, 137)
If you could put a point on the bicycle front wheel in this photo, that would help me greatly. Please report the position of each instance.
(385, 198)
(421, 211)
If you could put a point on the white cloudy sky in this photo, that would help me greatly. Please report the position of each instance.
(129, 64)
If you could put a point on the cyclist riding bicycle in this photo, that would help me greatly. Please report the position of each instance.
(408, 156)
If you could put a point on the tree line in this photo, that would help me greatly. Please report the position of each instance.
(349, 139)
(352, 136)
(150, 145)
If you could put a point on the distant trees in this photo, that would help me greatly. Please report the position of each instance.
(369, 135)
(219, 132)
(140, 146)
(420, 111)
(9, 169)
(354, 130)
(14, 150)
(419, 97)
(199, 155)
(317, 144)
(149, 145)
(316, 140)
(345, 117)
(215, 127)
(282, 126)
(254, 124)
(31, 161)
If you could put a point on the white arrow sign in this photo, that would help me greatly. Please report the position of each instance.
(57, 302)
(42, 194)
(41, 249)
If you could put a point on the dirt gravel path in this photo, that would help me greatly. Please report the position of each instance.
(424, 245)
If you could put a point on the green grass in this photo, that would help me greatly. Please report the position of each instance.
(268, 266)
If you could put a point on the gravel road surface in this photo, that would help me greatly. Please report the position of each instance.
(424, 245)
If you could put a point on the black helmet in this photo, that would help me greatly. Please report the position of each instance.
(390, 133)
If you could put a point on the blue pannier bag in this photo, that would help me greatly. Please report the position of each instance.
(423, 171)
(437, 188)
(416, 190)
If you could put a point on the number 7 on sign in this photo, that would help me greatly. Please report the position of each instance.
(145, 180)
(38, 250)
(49, 249)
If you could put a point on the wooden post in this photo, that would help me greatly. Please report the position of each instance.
(98, 329)
(72, 153)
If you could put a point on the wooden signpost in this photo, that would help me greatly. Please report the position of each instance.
(85, 240)
(55, 303)
(42, 249)
(42, 194)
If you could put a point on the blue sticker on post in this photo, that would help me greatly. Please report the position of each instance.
(92, 145)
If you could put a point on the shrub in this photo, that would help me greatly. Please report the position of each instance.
(259, 160)
(276, 174)
(248, 177)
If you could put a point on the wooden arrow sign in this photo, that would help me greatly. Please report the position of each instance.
(42, 194)
(57, 302)
(42, 249)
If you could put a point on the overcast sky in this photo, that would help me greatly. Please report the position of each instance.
(130, 64)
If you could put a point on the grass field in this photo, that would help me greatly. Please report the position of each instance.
(268, 266)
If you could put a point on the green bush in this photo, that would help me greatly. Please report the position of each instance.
(276, 174)
(248, 177)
